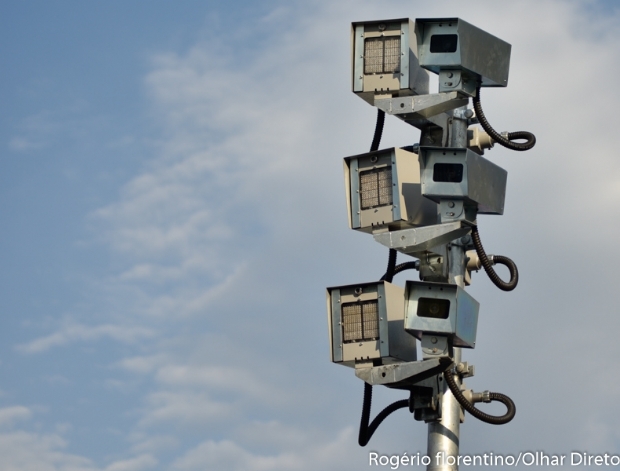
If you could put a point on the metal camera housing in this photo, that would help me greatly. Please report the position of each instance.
(463, 55)
(366, 324)
(383, 190)
(463, 183)
(442, 309)
(384, 60)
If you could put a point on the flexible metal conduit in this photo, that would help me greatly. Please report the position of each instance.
(530, 139)
(488, 266)
(477, 413)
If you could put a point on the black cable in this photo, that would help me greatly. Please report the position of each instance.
(511, 409)
(488, 267)
(405, 266)
(366, 431)
(376, 140)
(378, 130)
(530, 139)
(391, 268)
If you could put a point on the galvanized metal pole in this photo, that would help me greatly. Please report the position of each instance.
(443, 435)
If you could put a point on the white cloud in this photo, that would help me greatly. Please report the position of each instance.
(29, 451)
(73, 332)
(22, 451)
(138, 463)
(311, 455)
(184, 408)
(8, 415)
(153, 444)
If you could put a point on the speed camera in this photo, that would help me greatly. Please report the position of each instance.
(384, 60)
(366, 324)
(463, 55)
(383, 191)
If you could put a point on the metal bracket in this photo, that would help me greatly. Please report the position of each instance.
(418, 107)
(465, 370)
(425, 400)
(425, 112)
(403, 375)
(436, 346)
(434, 266)
(421, 239)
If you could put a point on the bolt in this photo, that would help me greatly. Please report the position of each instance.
(434, 340)
(434, 350)
(450, 75)
(451, 204)
(450, 214)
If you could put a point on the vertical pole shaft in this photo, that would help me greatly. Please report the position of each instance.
(443, 435)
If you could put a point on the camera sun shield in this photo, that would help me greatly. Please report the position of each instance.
(442, 309)
(462, 55)
(461, 175)
(366, 324)
(384, 60)
(383, 191)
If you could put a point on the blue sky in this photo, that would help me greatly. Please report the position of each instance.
(172, 210)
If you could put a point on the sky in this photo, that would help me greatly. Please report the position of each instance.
(172, 209)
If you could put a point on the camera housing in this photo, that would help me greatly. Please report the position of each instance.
(463, 55)
(383, 190)
(463, 183)
(384, 60)
(442, 309)
(366, 324)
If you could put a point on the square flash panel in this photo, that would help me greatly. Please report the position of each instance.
(384, 60)
(383, 190)
(382, 55)
(376, 187)
(441, 309)
(366, 324)
(360, 321)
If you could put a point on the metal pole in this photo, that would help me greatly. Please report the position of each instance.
(443, 435)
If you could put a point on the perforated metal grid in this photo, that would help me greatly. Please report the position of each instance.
(360, 321)
(376, 187)
(382, 55)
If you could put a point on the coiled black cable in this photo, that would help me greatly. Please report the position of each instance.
(366, 431)
(488, 267)
(511, 409)
(530, 139)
